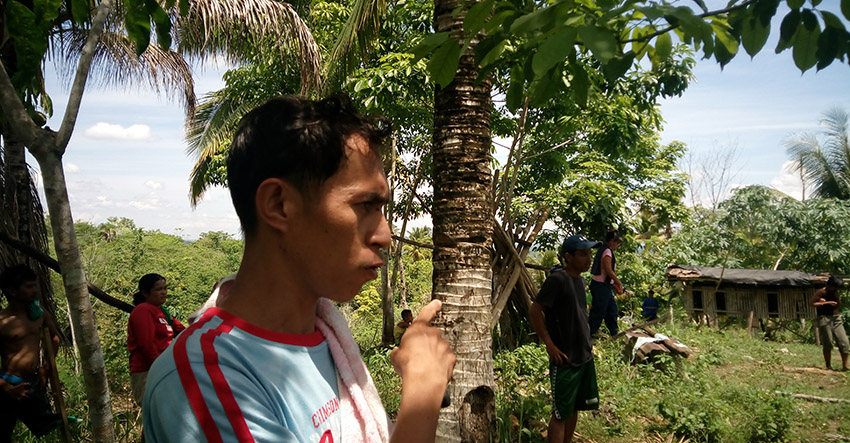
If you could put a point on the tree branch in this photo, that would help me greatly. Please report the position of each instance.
(704, 15)
(81, 76)
(51, 263)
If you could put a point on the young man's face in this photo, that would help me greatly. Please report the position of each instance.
(339, 234)
(578, 260)
(26, 292)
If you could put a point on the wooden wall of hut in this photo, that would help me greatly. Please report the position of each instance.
(708, 303)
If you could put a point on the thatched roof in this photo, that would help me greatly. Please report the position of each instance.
(755, 277)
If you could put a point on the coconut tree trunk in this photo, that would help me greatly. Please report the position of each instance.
(462, 240)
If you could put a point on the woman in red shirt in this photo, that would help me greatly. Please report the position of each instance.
(149, 331)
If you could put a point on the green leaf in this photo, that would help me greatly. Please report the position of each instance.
(477, 16)
(184, 7)
(724, 37)
(428, 44)
(754, 35)
(80, 11)
(787, 29)
(163, 27)
(600, 41)
(806, 41)
(663, 47)
(580, 84)
(617, 67)
(534, 21)
(494, 54)
(30, 43)
(831, 20)
(553, 51)
(795, 4)
(138, 25)
(443, 64)
(513, 98)
(845, 8)
(828, 47)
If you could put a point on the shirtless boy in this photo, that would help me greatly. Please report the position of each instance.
(22, 377)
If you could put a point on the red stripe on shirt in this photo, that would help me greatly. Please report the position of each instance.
(222, 389)
(190, 383)
(314, 339)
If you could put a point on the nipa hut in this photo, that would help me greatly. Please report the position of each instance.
(711, 292)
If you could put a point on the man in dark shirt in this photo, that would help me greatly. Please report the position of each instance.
(830, 325)
(650, 306)
(559, 316)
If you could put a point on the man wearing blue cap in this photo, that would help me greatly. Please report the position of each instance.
(559, 316)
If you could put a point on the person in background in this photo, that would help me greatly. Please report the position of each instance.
(650, 306)
(559, 317)
(830, 326)
(150, 330)
(603, 285)
(400, 327)
(23, 379)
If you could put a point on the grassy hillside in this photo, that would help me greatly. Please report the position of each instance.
(725, 393)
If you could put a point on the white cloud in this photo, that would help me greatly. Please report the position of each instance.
(144, 205)
(103, 201)
(788, 181)
(153, 185)
(71, 167)
(106, 131)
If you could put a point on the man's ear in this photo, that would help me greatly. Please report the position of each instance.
(276, 200)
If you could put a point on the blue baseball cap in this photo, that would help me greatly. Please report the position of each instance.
(578, 241)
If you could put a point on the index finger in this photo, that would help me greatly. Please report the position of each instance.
(429, 312)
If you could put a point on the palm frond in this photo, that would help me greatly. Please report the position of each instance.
(239, 30)
(209, 131)
(116, 64)
(359, 30)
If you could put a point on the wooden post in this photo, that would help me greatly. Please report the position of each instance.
(54, 383)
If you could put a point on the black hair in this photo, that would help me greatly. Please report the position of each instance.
(612, 234)
(296, 139)
(146, 283)
(406, 311)
(14, 276)
(835, 281)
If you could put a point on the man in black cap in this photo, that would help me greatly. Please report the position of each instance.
(559, 316)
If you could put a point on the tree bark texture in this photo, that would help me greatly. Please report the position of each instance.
(461, 213)
(76, 291)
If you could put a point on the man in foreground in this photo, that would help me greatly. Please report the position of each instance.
(22, 378)
(830, 325)
(559, 316)
(274, 359)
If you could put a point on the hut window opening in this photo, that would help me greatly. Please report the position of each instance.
(698, 301)
(772, 304)
(720, 302)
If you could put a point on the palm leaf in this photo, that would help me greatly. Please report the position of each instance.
(242, 30)
(116, 64)
(359, 31)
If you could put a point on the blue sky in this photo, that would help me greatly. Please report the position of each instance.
(127, 155)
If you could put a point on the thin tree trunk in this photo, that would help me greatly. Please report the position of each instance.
(76, 290)
(387, 299)
(462, 239)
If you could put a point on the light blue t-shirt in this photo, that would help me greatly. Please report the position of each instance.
(226, 380)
